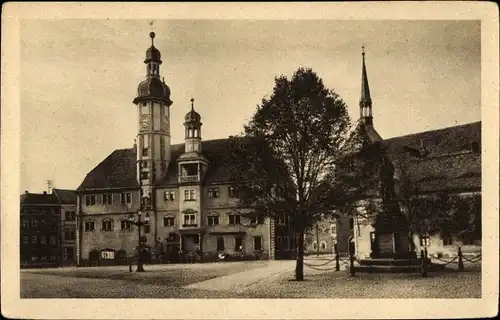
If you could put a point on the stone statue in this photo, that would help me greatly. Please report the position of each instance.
(387, 180)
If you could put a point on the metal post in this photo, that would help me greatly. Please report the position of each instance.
(351, 267)
(140, 267)
(460, 261)
(337, 258)
(317, 240)
(424, 263)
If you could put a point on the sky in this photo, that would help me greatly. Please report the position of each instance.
(78, 79)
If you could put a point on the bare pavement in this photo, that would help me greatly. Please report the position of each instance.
(249, 279)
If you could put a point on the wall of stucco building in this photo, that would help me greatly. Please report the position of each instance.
(68, 246)
(127, 240)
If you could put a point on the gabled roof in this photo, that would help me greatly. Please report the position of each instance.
(119, 170)
(39, 199)
(65, 196)
(447, 159)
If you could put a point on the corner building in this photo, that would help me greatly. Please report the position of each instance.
(185, 189)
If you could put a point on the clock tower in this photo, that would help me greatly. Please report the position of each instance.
(153, 137)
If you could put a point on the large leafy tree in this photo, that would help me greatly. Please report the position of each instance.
(304, 133)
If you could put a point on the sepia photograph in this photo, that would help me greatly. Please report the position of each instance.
(241, 158)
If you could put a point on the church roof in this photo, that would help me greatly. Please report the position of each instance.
(447, 159)
(119, 170)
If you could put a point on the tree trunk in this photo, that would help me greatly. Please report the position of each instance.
(299, 268)
(413, 247)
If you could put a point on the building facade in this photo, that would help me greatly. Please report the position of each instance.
(184, 189)
(67, 202)
(42, 228)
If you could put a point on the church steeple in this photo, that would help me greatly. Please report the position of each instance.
(365, 102)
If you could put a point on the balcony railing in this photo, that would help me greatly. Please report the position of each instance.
(189, 178)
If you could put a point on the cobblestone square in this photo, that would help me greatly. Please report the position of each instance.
(255, 279)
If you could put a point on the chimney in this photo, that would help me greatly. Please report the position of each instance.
(135, 144)
(26, 192)
(45, 192)
(49, 186)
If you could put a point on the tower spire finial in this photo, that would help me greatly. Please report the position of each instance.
(365, 102)
(152, 33)
(365, 89)
(192, 103)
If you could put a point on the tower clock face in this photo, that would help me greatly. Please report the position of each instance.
(145, 121)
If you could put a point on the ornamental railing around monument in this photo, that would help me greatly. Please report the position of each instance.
(425, 259)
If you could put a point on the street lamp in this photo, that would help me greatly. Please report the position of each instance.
(139, 223)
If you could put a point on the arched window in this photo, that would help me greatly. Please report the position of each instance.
(315, 245)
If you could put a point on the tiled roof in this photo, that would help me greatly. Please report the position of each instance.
(39, 199)
(447, 159)
(118, 170)
(65, 196)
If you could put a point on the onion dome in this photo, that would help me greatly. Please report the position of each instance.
(192, 116)
(153, 88)
(153, 54)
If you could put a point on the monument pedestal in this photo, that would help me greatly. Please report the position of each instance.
(390, 244)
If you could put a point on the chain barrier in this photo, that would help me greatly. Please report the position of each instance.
(318, 265)
(473, 260)
(319, 269)
(446, 262)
